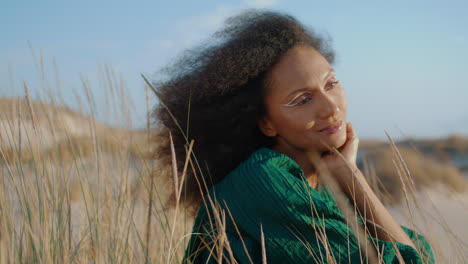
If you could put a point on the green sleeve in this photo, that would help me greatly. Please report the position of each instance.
(423, 254)
(298, 226)
(421, 244)
(202, 241)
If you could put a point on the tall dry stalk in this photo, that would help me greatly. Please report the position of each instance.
(75, 191)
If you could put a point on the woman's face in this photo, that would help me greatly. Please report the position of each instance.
(303, 98)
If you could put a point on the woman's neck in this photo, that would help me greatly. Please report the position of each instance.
(301, 158)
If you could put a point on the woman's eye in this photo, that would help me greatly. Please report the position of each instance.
(303, 99)
(332, 84)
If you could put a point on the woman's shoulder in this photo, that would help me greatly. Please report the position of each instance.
(267, 159)
(267, 185)
(260, 167)
(267, 175)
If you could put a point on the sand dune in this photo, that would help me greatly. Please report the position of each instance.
(76, 155)
(442, 217)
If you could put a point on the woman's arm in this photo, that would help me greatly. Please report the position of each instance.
(380, 223)
(377, 218)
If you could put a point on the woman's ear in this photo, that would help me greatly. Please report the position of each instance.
(266, 127)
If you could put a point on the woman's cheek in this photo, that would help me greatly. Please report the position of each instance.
(343, 100)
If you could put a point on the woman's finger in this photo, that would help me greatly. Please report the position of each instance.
(349, 149)
(355, 139)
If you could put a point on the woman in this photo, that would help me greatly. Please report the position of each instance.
(268, 117)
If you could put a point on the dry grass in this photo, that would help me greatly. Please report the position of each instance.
(75, 191)
(455, 144)
(425, 172)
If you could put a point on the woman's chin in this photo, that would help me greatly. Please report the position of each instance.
(341, 141)
(337, 140)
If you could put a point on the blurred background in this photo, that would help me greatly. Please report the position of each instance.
(402, 63)
(75, 137)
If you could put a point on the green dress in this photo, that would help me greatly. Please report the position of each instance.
(268, 192)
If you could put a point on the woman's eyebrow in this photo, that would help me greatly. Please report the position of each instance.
(330, 72)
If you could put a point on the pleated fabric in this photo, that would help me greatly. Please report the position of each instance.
(300, 224)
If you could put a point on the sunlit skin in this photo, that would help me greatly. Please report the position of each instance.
(304, 96)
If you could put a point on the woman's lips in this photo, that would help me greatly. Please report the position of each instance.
(333, 129)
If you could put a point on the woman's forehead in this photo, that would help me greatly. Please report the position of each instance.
(300, 67)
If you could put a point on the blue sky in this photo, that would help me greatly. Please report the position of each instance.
(403, 64)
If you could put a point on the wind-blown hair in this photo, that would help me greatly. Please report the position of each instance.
(215, 92)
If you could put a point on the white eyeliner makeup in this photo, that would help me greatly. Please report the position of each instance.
(336, 82)
(289, 104)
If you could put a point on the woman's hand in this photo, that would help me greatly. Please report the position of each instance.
(335, 164)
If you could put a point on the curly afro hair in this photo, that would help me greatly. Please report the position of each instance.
(213, 94)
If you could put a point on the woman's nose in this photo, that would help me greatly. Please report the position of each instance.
(328, 107)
